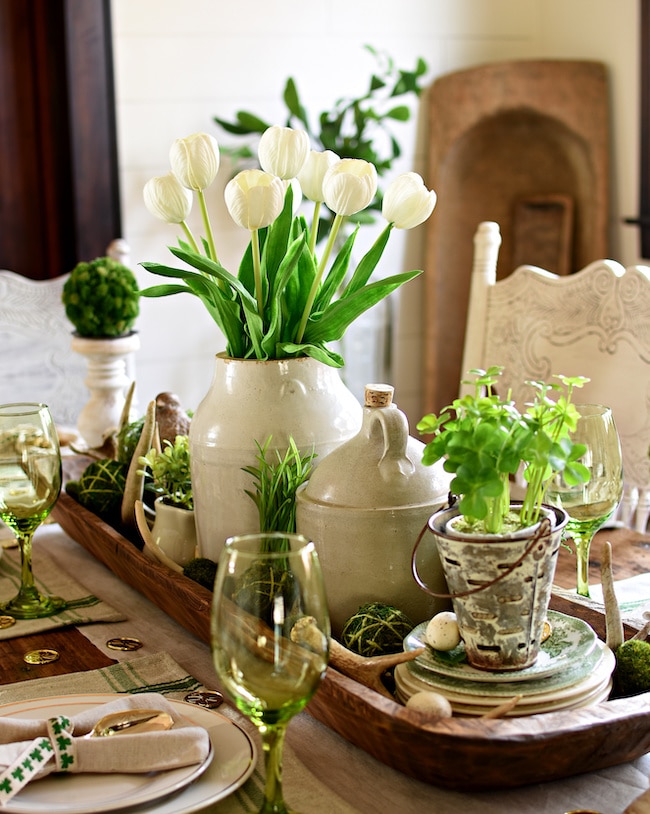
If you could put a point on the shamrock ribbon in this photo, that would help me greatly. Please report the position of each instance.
(59, 744)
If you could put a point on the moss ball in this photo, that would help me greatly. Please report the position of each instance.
(201, 570)
(100, 488)
(376, 629)
(101, 298)
(633, 667)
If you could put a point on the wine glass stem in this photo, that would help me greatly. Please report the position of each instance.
(583, 545)
(273, 746)
(28, 591)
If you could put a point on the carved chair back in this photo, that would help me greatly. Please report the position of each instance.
(594, 323)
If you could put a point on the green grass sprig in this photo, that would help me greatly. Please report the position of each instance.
(276, 482)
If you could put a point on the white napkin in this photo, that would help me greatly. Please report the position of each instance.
(31, 749)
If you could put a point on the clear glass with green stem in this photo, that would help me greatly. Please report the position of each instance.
(589, 505)
(30, 482)
(270, 637)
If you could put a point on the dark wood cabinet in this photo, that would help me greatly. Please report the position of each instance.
(59, 191)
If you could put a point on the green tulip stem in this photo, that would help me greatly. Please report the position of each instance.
(313, 237)
(336, 225)
(257, 269)
(207, 225)
(190, 236)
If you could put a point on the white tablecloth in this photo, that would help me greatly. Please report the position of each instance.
(367, 786)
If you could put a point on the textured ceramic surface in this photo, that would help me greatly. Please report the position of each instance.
(364, 507)
(249, 401)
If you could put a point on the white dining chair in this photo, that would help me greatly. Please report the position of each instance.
(593, 323)
(36, 360)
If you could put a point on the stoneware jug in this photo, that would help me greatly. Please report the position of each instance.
(364, 506)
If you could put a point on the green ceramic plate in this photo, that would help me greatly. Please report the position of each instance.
(571, 641)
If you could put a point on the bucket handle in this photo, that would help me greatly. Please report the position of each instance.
(543, 530)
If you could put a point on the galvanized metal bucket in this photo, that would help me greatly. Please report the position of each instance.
(500, 587)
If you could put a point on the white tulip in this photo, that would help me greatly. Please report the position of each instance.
(407, 202)
(166, 198)
(349, 186)
(282, 151)
(254, 198)
(311, 175)
(195, 160)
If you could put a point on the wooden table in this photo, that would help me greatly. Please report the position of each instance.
(368, 786)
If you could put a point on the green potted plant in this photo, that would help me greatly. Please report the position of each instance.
(102, 301)
(499, 555)
(173, 531)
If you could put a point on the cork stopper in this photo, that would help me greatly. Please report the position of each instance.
(378, 395)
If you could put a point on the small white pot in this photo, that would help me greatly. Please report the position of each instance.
(174, 532)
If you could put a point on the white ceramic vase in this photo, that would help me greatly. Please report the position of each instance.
(248, 401)
(107, 382)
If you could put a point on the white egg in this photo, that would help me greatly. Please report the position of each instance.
(442, 632)
(431, 703)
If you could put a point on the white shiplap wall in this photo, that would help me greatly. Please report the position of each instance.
(178, 63)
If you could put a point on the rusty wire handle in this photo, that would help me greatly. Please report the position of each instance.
(544, 528)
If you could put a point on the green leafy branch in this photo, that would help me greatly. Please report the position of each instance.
(355, 127)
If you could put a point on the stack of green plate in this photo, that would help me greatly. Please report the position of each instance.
(573, 669)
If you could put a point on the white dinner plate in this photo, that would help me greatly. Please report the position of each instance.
(232, 760)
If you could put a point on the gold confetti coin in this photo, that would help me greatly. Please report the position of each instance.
(547, 630)
(6, 621)
(210, 699)
(41, 656)
(125, 643)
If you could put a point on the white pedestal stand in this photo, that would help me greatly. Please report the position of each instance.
(107, 382)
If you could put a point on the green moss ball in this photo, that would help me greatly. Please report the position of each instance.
(376, 629)
(101, 298)
(100, 488)
(201, 570)
(633, 667)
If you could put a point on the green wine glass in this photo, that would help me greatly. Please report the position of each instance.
(30, 482)
(592, 504)
(270, 638)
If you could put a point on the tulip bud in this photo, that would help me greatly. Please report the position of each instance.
(195, 160)
(349, 186)
(166, 198)
(282, 151)
(312, 174)
(407, 202)
(254, 198)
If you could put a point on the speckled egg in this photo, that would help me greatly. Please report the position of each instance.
(442, 632)
(431, 703)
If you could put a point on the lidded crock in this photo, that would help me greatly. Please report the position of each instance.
(364, 506)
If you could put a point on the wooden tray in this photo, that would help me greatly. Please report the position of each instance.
(456, 753)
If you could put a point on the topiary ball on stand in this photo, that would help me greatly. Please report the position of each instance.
(102, 301)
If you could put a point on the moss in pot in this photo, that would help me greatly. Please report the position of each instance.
(492, 565)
